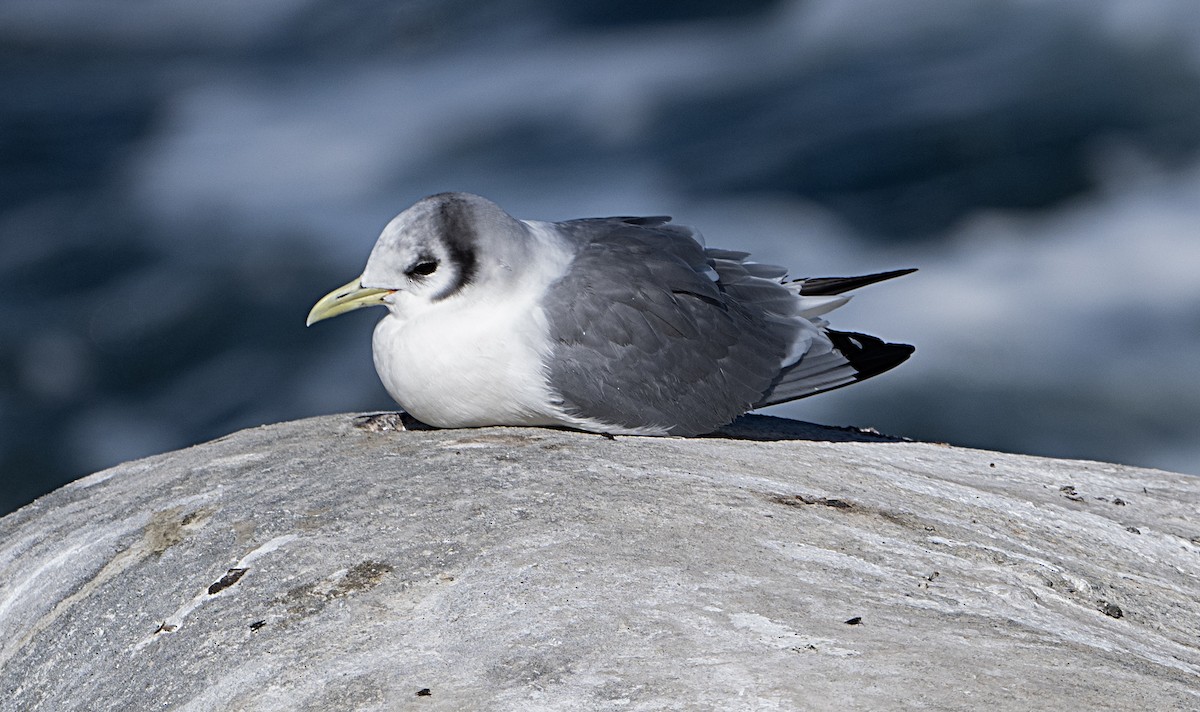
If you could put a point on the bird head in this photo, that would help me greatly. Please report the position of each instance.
(433, 251)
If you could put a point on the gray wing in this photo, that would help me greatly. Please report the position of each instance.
(652, 332)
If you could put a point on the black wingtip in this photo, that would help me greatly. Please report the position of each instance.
(645, 220)
(869, 355)
(821, 286)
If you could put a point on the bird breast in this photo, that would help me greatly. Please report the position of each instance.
(468, 364)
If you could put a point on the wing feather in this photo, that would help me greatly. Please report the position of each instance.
(652, 332)
(694, 357)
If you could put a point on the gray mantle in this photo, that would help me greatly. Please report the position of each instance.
(337, 564)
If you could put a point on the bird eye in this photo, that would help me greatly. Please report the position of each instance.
(422, 269)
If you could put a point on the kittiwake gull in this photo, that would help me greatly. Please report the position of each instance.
(620, 325)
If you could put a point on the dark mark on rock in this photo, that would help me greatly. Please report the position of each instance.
(166, 628)
(856, 620)
(257, 624)
(1111, 610)
(364, 575)
(424, 692)
(231, 577)
(193, 517)
(1119, 502)
(380, 422)
(169, 527)
(1135, 530)
(1070, 493)
(307, 599)
(799, 500)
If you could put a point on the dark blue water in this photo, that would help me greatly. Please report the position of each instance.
(180, 181)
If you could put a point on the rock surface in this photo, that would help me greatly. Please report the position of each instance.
(324, 565)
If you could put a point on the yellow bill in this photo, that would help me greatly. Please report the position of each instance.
(348, 297)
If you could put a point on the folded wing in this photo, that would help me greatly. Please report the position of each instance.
(653, 333)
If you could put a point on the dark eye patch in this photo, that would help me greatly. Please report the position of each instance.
(422, 269)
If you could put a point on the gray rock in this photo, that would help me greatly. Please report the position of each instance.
(322, 565)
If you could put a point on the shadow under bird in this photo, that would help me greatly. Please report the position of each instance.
(621, 325)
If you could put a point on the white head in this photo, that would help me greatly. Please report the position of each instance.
(441, 247)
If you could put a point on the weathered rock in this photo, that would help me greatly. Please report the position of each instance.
(317, 565)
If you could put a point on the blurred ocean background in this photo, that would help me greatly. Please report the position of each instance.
(180, 181)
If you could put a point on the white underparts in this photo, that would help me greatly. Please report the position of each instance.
(477, 358)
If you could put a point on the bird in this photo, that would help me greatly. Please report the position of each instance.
(614, 325)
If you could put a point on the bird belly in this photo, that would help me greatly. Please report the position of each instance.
(457, 367)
